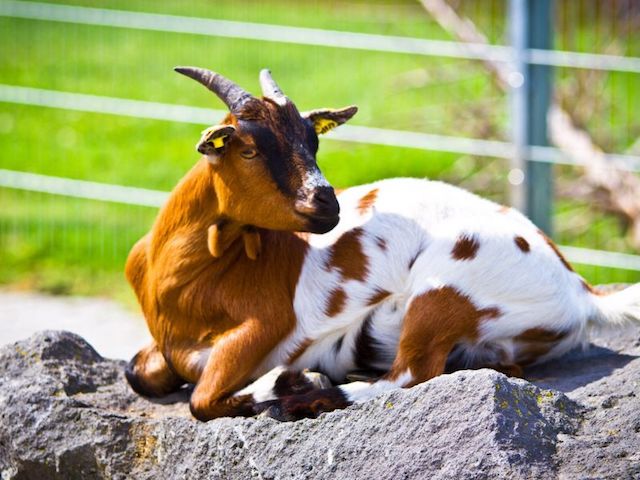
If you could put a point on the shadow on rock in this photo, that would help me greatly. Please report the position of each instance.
(578, 368)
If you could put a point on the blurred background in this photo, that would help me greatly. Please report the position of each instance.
(530, 103)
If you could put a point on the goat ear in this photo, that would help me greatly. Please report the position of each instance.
(213, 141)
(325, 119)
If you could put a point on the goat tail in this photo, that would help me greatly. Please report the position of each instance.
(617, 309)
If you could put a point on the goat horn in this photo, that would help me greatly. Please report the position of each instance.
(230, 93)
(270, 88)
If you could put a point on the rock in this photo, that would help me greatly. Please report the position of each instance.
(605, 379)
(68, 413)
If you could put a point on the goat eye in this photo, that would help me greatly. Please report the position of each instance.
(249, 153)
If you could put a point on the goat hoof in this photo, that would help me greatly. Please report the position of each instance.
(272, 409)
(318, 380)
(294, 382)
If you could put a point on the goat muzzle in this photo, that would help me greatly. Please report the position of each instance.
(320, 208)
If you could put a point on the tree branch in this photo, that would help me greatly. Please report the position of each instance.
(621, 189)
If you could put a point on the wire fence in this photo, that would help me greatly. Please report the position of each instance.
(174, 24)
(308, 36)
(348, 133)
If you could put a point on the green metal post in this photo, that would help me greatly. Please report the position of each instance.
(531, 25)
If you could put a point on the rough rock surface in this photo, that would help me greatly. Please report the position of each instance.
(67, 413)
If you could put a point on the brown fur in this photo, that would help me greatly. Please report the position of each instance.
(220, 236)
(178, 283)
(337, 302)
(586, 286)
(540, 335)
(366, 202)
(377, 297)
(252, 243)
(307, 405)
(435, 322)
(466, 247)
(536, 342)
(242, 187)
(150, 374)
(529, 353)
(292, 382)
(216, 275)
(522, 244)
(297, 353)
(348, 256)
(556, 251)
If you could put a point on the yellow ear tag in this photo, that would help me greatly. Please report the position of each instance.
(218, 142)
(323, 125)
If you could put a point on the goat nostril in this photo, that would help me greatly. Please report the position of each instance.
(324, 196)
(319, 202)
(325, 202)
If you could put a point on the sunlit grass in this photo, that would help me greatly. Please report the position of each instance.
(69, 246)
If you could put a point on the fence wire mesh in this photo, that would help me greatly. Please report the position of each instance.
(430, 105)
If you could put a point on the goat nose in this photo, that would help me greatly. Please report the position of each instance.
(323, 197)
(320, 201)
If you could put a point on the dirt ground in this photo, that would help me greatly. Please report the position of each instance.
(112, 330)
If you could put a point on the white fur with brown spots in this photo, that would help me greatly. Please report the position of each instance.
(417, 277)
(420, 222)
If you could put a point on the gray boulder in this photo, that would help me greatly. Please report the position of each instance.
(68, 413)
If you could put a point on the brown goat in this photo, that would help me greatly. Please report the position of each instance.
(217, 273)
(403, 277)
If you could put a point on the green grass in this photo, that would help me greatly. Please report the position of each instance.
(124, 63)
(71, 246)
(403, 18)
(155, 154)
(67, 246)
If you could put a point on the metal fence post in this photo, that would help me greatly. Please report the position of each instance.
(532, 182)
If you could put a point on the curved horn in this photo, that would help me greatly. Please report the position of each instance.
(230, 93)
(270, 88)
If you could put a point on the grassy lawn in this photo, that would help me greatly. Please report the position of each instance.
(71, 246)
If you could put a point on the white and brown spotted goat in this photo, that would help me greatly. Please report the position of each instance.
(413, 278)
